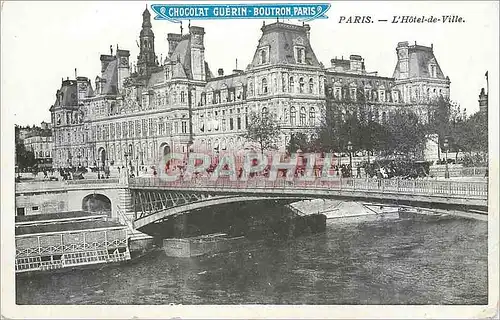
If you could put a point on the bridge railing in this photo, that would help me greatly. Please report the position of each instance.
(93, 181)
(420, 187)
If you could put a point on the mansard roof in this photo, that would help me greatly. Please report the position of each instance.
(110, 78)
(182, 54)
(67, 96)
(178, 71)
(228, 81)
(281, 39)
(419, 59)
(156, 78)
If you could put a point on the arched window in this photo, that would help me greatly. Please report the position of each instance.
(301, 85)
(293, 116)
(312, 116)
(183, 98)
(264, 111)
(302, 116)
(311, 85)
(264, 85)
(290, 85)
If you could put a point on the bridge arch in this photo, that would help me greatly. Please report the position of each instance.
(97, 202)
(211, 201)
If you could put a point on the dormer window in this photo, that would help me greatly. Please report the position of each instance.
(300, 54)
(432, 70)
(264, 55)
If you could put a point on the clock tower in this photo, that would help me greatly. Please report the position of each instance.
(146, 59)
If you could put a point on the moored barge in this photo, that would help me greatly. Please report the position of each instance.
(56, 241)
(201, 245)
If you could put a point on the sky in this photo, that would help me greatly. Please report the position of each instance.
(43, 42)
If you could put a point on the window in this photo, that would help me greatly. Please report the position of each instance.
(264, 111)
(301, 85)
(311, 85)
(231, 125)
(184, 127)
(300, 55)
(183, 98)
(223, 124)
(35, 208)
(20, 211)
(264, 85)
(238, 122)
(176, 127)
(312, 116)
(302, 116)
(290, 85)
(433, 71)
(353, 93)
(293, 116)
(263, 56)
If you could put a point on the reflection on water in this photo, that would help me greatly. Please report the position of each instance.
(371, 262)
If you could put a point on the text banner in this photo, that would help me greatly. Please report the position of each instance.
(300, 11)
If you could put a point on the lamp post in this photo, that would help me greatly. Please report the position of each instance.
(445, 145)
(126, 163)
(349, 148)
(137, 166)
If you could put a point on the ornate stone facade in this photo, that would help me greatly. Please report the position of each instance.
(179, 105)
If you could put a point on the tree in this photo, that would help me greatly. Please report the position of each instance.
(264, 130)
(300, 141)
(472, 135)
(328, 132)
(406, 134)
(374, 136)
(24, 158)
(439, 120)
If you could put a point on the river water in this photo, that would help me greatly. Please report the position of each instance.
(363, 262)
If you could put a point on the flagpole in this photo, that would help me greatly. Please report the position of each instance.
(487, 88)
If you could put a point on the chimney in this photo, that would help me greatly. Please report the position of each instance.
(308, 31)
(173, 40)
(220, 72)
(105, 60)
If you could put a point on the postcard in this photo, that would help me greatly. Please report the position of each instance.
(252, 159)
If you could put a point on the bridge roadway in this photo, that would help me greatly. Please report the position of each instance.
(442, 194)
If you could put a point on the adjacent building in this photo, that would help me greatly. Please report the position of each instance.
(135, 114)
(37, 139)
